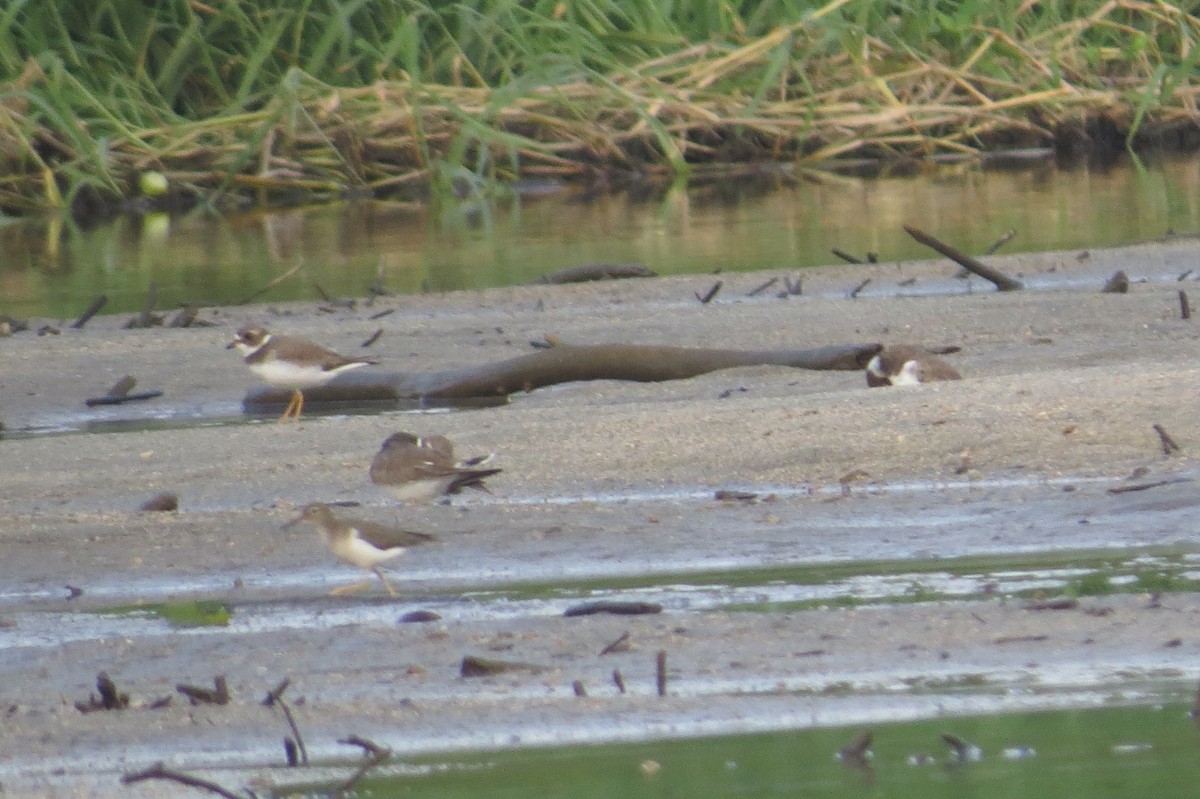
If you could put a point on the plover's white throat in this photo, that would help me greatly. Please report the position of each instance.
(416, 469)
(289, 362)
(905, 365)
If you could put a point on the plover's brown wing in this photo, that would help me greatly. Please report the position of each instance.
(307, 353)
(470, 478)
(400, 464)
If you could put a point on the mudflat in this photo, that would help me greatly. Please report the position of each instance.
(605, 484)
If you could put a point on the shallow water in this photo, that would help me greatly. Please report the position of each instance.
(780, 221)
(1105, 753)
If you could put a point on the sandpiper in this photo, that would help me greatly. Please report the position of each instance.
(366, 545)
(288, 362)
(905, 365)
(423, 469)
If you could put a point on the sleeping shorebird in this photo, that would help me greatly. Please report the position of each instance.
(366, 545)
(905, 365)
(288, 362)
(423, 469)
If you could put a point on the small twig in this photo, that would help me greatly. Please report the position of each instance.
(762, 287)
(1183, 275)
(368, 746)
(381, 314)
(845, 256)
(708, 295)
(1002, 281)
(1185, 307)
(217, 695)
(91, 311)
(1145, 486)
(1000, 242)
(1168, 443)
(185, 317)
(275, 697)
(578, 688)
(255, 295)
(324, 294)
(289, 752)
(376, 755)
(854, 292)
(160, 772)
(374, 337)
(660, 671)
(619, 681)
(110, 698)
(619, 645)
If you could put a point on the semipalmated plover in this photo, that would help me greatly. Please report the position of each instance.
(423, 469)
(366, 545)
(905, 365)
(289, 362)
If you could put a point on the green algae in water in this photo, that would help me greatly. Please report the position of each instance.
(1110, 753)
(204, 613)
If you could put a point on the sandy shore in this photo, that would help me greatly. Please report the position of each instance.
(1062, 387)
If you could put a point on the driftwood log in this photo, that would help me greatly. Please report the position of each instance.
(562, 363)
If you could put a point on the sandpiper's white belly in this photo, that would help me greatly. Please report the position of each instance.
(353, 550)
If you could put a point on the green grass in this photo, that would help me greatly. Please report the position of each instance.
(294, 100)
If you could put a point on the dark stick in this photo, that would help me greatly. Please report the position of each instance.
(578, 688)
(1146, 486)
(275, 697)
(619, 645)
(376, 756)
(1000, 242)
(845, 256)
(619, 680)
(368, 746)
(1185, 308)
(381, 314)
(374, 337)
(1168, 443)
(763, 287)
(91, 311)
(712, 292)
(160, 772)
(660, 671)
(858, 288)
(1002, 281)
(289, 752)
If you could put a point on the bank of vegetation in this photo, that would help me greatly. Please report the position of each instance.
(277, 101)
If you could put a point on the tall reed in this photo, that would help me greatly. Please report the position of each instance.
(307, 99)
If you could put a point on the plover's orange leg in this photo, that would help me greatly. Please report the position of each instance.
(292, 411)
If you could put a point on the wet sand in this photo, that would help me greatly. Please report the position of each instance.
(602, 480)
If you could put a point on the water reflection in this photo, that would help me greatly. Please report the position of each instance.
(1098, 753)
(776, 220)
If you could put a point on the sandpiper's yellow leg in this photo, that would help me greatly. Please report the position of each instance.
(391, 591)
